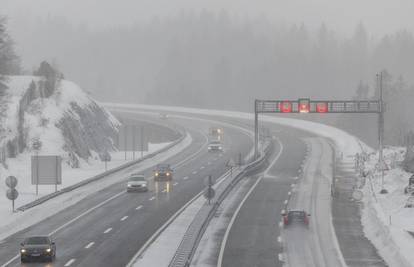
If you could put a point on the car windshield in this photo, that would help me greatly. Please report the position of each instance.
(214, 142)
(163, 166)
(38, 240)
(137, 178)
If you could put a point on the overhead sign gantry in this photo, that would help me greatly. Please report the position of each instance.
(307, 105)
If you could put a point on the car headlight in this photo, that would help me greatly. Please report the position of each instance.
(156, 174)
(129, 185)
(168, 174)
(220, 147)
(144, 185)
(48, 250)
(23, 250)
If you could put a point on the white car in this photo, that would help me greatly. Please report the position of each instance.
(137, 182)
(215, 146)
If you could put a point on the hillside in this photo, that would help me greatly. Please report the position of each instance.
(65, 119)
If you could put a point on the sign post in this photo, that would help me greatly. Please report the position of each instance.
(209, 193)
(36, 146)
(12, 193)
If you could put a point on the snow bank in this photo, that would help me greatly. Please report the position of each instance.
(385, 219)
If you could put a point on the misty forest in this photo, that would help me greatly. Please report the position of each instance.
(216, 60)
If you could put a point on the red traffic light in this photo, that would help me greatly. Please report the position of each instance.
(322, 107)
(285, 107)
(304, 105)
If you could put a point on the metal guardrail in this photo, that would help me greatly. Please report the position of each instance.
(102, 175)
(195, 231)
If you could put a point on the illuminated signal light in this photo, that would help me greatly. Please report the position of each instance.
(304, 105)
(322, 107)
(286, 107)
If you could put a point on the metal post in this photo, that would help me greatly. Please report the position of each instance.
(209, 188)
(37, 172)
(381, 133)
(134, 131)
(125, 140)
(56, 174)
(142, 141)
(256, 130)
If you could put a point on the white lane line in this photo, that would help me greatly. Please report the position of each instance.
(163, 191)
(11, 260)
(90, 245)
(107, 230)
(85, 213)
(226, 235)
(209, 163)
(202, 167)
(285, 202)
(185, 178)
(139, 207)
(175, 184)
(280, 224)
(124, 218)
(152, 198)
(279, 239)
(194, 172)
(69, 263)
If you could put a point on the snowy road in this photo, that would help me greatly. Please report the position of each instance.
(107, 228)
(314, 245)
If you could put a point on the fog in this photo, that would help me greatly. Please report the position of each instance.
(380, 16)
(223, 54)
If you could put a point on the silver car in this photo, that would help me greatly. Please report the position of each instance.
(137, 183)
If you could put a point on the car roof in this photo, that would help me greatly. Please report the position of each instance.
(163, 165)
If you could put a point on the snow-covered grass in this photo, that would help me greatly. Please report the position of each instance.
(386, 220)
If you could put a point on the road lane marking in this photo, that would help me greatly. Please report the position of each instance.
(279, 239)
(194, 172)
(11, 260)
(185, 178)
(164, 190)
(152, 198)
(139, 207)
(233, 218)
(124, 218)
(175, 183)
(209, 163)
(107, 230)
(69, 263)
(285, 202)
(202, 167)
(90, 245)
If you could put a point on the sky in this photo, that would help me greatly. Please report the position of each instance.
(379, 16)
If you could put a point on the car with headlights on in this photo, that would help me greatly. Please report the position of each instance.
(163, 172)
(37, 248)
(215, 145)
(137, 183)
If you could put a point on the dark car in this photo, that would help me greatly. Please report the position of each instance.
(296, 216)
(163, 172)
(37, 248)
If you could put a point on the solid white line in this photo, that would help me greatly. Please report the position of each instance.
(124, 218)
(152, 198)
(90, 245)
(175, 184)
(107, 230)
(226, 235)
(139, 207)
(69, 263)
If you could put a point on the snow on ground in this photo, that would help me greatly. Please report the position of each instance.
(14, 222)
(385, 219)
(20, 168)
(394, 244)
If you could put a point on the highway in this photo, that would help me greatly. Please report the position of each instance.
(108, 227)
(252, 238)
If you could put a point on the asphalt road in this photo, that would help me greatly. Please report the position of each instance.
(119, 222)
(253, 237)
